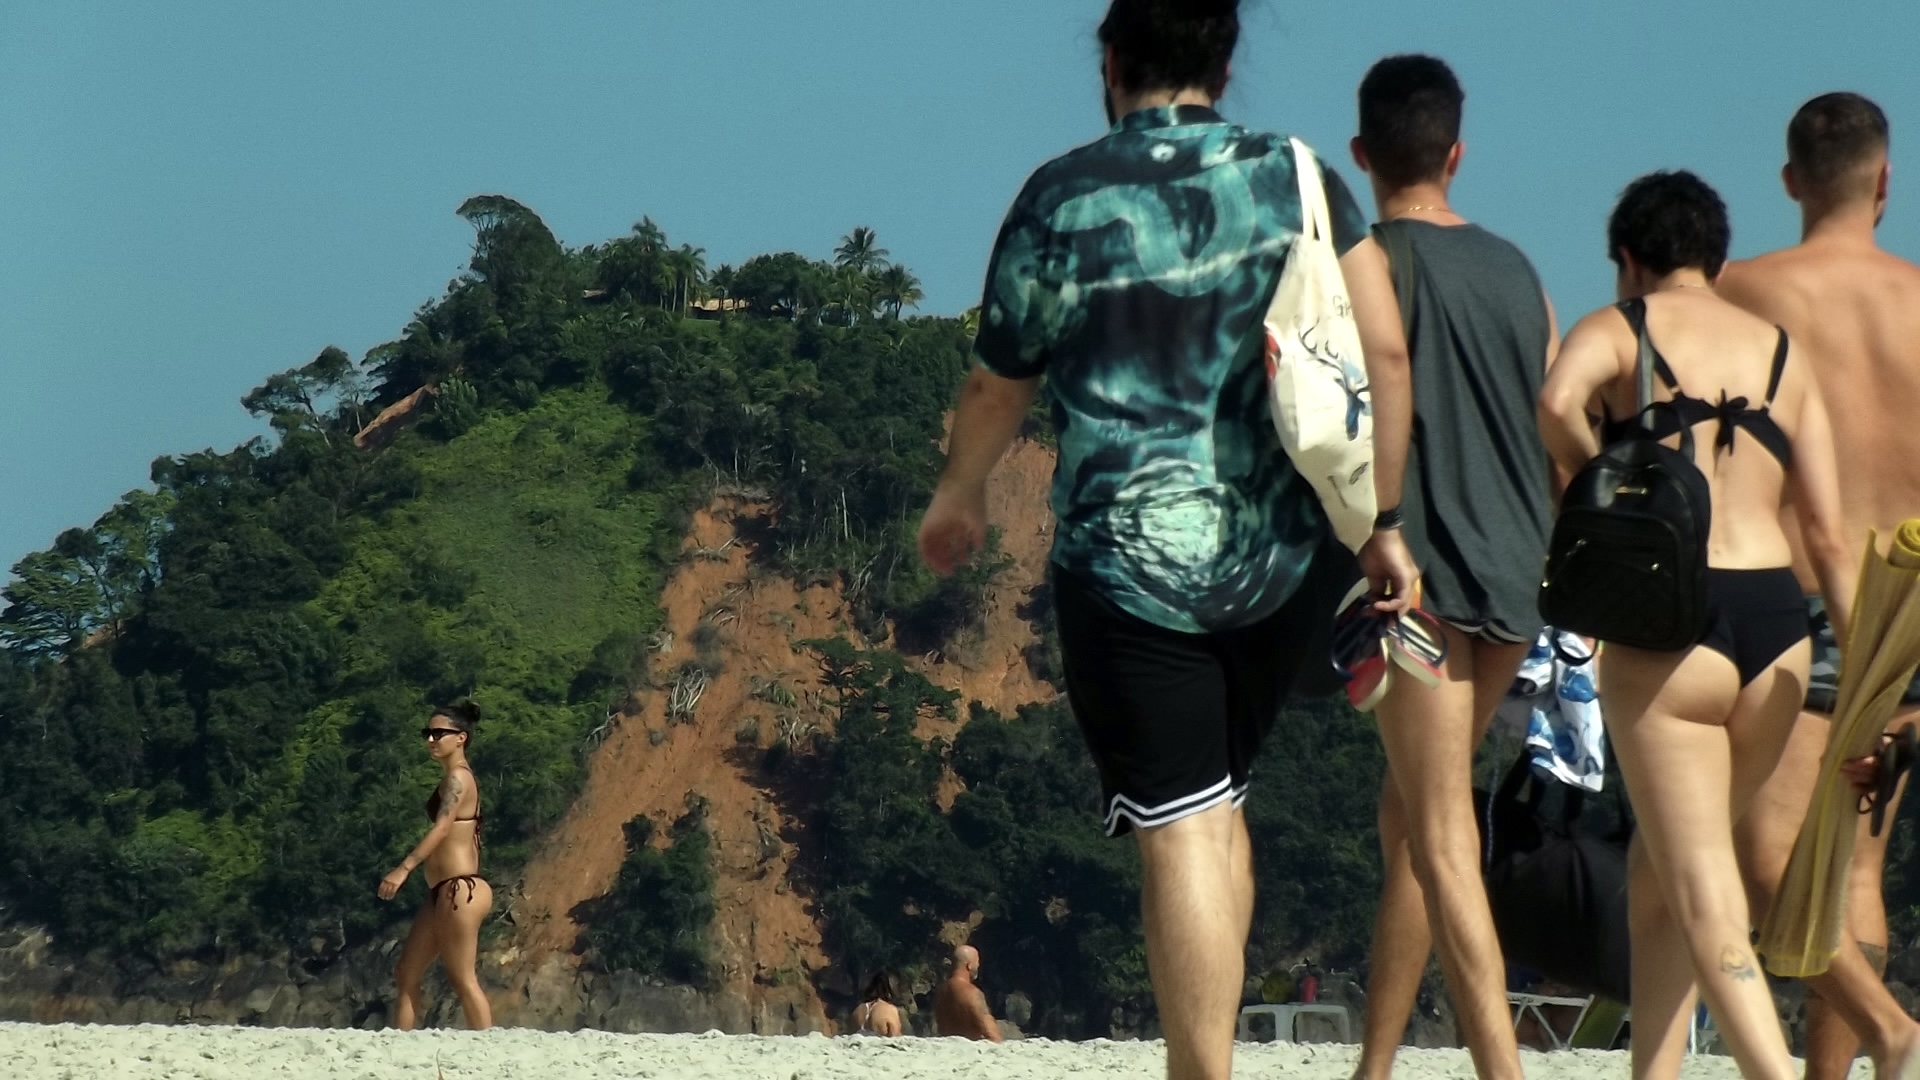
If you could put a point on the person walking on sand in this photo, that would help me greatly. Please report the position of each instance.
(879, 1010)
(1477, 511)
(1858, 308)
(1193, 570)
(458, 898)
(1698, 730)
(959, 1008)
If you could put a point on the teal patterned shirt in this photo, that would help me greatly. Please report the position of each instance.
(1135, 273)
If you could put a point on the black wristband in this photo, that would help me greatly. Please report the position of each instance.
(1388, 519)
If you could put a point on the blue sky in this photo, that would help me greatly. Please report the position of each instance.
(196, 195)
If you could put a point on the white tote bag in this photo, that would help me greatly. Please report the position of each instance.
(1316, 375)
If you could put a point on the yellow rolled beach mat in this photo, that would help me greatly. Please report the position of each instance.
(1878, 659)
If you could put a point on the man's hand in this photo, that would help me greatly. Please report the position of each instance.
(1390, 570)
(1862, 774)
(955, 526)
(390, 884)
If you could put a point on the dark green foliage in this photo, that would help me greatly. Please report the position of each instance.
(1311, 812)
(654, 920)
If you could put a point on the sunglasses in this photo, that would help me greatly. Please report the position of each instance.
(435, 734)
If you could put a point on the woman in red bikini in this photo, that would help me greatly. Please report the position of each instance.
(458, 898)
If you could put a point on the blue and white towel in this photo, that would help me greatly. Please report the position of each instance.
(1564, 728)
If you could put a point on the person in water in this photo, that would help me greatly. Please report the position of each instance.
(879, 1011)
(458, 898)
(1698, 731)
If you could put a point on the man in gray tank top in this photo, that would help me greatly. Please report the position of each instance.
(1477, 512)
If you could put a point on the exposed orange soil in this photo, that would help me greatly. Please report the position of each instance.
(766, 939)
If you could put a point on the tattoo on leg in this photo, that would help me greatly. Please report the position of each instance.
(1876, 957)
(1737, 963)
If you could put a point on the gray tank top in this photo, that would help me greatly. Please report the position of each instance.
(1478, 504)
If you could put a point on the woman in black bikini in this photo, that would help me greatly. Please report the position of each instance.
(458, 898)
(1698, 731)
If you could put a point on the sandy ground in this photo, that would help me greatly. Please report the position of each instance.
(69, 1052)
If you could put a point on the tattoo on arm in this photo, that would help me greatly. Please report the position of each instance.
(450, 797)
(1876, 957)
(1737, 963)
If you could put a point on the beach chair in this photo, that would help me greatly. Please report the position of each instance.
(1535, 1004)
(1599, 1025)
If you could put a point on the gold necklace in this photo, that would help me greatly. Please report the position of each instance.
(1436, 209)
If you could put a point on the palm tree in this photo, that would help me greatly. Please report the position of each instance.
(722, 282)
(898, 288)
(692, 265)
(861, 251)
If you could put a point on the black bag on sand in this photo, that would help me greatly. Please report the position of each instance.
(1558, 895)
(1627, 562)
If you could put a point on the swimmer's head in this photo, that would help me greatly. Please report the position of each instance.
(1667, 221)
(881, 988)
(1837, 150)
(451, 727)
(1409, 121)
(966, 958)
(1168, 45)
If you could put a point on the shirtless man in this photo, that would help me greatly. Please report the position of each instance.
(959, 1008)
(1856, 311)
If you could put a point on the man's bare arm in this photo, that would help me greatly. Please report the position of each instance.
(1383, 341)
(985, 422)
(982, 1016)
(1814, 484)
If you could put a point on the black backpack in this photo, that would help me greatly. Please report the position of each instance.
(1557, 892)
(1628, 559)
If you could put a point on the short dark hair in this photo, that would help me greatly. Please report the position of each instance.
(1668, 221)
(1409, 117)
(1832, 135)
(1172, 44)
(462, 714)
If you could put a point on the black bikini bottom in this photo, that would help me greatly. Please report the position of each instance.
(1756, 616)
(453, 894)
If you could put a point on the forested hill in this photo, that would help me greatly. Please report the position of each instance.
(209, 698)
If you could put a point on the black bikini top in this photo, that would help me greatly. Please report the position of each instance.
(433, 806)
(1686, 411)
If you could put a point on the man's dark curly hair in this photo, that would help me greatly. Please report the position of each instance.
(1172, 44)
(1668, 221)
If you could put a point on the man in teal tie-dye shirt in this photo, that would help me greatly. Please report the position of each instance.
(1192, 573)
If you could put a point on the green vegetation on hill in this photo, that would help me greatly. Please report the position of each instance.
(655, 918)
(208, 699)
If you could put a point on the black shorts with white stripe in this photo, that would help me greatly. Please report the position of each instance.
(1174, 720)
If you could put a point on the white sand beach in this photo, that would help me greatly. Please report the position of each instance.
(71, 1052)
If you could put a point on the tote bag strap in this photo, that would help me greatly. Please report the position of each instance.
(1313, 197)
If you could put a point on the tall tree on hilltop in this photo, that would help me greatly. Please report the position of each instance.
(861, 251)
(898, 288)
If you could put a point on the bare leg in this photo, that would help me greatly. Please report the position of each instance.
(1196, 922)
(1689, 778)
(460, 918)
(1429, 735)
(423, 944)
(1401, 945)
(1402, 938)
(1850, 1004)
(1663, 985)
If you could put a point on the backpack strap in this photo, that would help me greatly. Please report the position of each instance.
(1649, 364)
(1399, 250)
(1779, 366)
